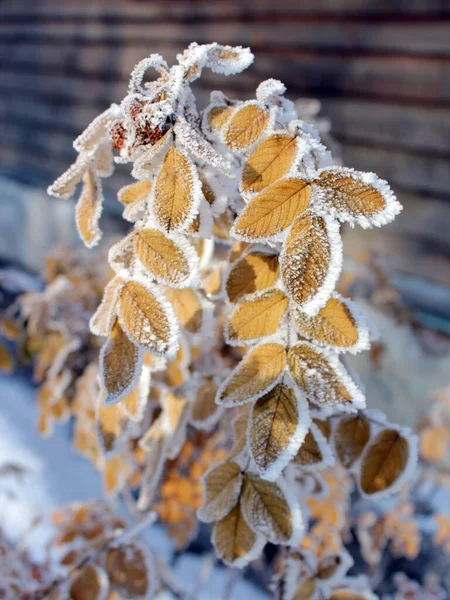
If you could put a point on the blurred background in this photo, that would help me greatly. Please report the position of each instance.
(380, 69)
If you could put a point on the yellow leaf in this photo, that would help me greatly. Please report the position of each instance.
(221, 489)
(384, 461)
(89, 583)
(218, 117)
(335, 325)
(188, 308)
(350, 438)
(322, 377)
(204, 408)
(356, 197)
(266, 509)
(120, 364)
(146, 319)
(237, 250)
(162, 256)
(128, 570)
(257, 318)
(9, 328)
(246, 125)
(176, 199)
(212, 283)
(349, 594)
(235, 543)
(311, 261)
(274, 434)
(6, 359)
(255, 375)
(254, 272)
(135, 192)
(270, 161)
(88, 210)
(103, 319)
(115, 472)
(306, 589)
(112, 426)
(273, 210)
(328, 566)
(309, 452)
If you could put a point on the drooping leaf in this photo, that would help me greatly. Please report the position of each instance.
(255, 375)
(270, 161)
(103, 319)
(147, 319)
(311, 261)
(384, 461)
(88, 209)
(254, 272)
(235, 542)
(276, 430)
(221, 489)
(176, 194)
(273, 210)
(120, 364)
(188, 308)
(350, 438)
(257, 318)
(266, 509)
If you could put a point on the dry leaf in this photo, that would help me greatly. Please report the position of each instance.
(135, 192)
(323, 378)
(309, 453)
(188, 308)
(336, 325)
(246, 125)
(276, 430)
(311, 261)
(273, 210)
(255, 272)
(235, 542)
(384, 461)
(90, 583)
(204, 410)
(306, 589)
(88, 210)
(6, 359)
(218, 117)
(255, 375)
(169, 260)
(355, 197)
(112, 426)
(349, 594)
(120, 364)
(257, 318)
(128, 570)
(103, 319)
(350, 438)
(176, 193)
(266, 509)
(221, 489)
(147, 319)
(328, 566)
(270, 161)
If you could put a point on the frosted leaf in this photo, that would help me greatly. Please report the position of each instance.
(311, 261)
(278, 424)
(148, 318)
(314, 453)
(201, 148)
(254, 272)
(154, 61)
(188, 307)
(88, 209)
(351, 435)
(229, 60)
(245, 126)
(269, 90)
(89, 582)
(131, 570)
(135, 402)
(354, 197)
(323, 378)
(257, 373)
(121, 255)
(65, 185)
(96, 131)
(120, 365)
(340, 325)
(112, 426)
(150, 157)
(205, 413)
(104, 160)
(221, 489)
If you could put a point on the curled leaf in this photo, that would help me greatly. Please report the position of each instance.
(88, 209)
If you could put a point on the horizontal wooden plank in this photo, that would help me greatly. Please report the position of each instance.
(231, 9)
(400, 78)
(422, 129)
(348, 38)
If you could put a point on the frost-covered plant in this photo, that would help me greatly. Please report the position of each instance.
(223, 304)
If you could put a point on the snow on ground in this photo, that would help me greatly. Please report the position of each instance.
(37, 475)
